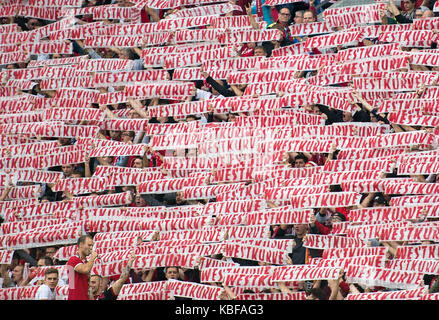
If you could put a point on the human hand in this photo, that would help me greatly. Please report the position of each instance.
(203, 73)
(131, 259)
(94, 255)
(248, 10)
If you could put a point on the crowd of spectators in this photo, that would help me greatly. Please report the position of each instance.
(23, 268)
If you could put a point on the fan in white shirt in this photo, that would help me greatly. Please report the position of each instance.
(47, 290)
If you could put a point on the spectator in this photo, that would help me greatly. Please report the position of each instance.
(298, 17)
(47, 291)
(418, 14)
(80, 267)
(128, 54)
(46, 261)
(138, 163)
(247, 50)
(16, 278)
(99, 291)
(299, 254)
(20, 107)
(283, 24)
(68, 170)
(379, 201)
(407, 15)
(172, 273)
(409, 9)
(300, 161)
(219, 87)
(309, 16)
(427, 14)
(50, 252)
(260, 51)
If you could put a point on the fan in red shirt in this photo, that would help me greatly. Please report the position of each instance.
(79, 268)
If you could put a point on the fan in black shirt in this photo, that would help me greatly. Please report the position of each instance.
(98, 289)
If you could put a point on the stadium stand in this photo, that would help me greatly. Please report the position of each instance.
(215, 150)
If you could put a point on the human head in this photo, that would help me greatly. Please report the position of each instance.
(300, 161)
(140, 201)
(122, 3)
(316, 109)
(276, 43)
(114, 134)
(300, 229)
(68, 169)
(6, 20)
(105, 160)
(138, 163)
(308, 16)
(33, 24)
(85, 245)
(373, 118)
(191, 153)
(95, 283)
(127, 136)
(284, 16)
(126, 54)
(132, 114)
(76, 174)
(418, 13)
(51, 278)
(50, 252)
(427, 14)
(338, 217)
(379, 201)
(260, 51)
(171, 273)
(298, 17)
(46, 261)
(231, 117)
(162, 119)
(179, 197)
(12, 66)
(104, 283)
(17, 273)
(409, 5)
(316, 294)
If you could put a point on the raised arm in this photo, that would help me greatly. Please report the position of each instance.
(154, 16)
(85, 268)
(87, 170)
(6, 191)
(283, 287)
(5, 275)
(253, 22)
(334, 285)
(117, 286)
(366, 202)
(137, 106)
